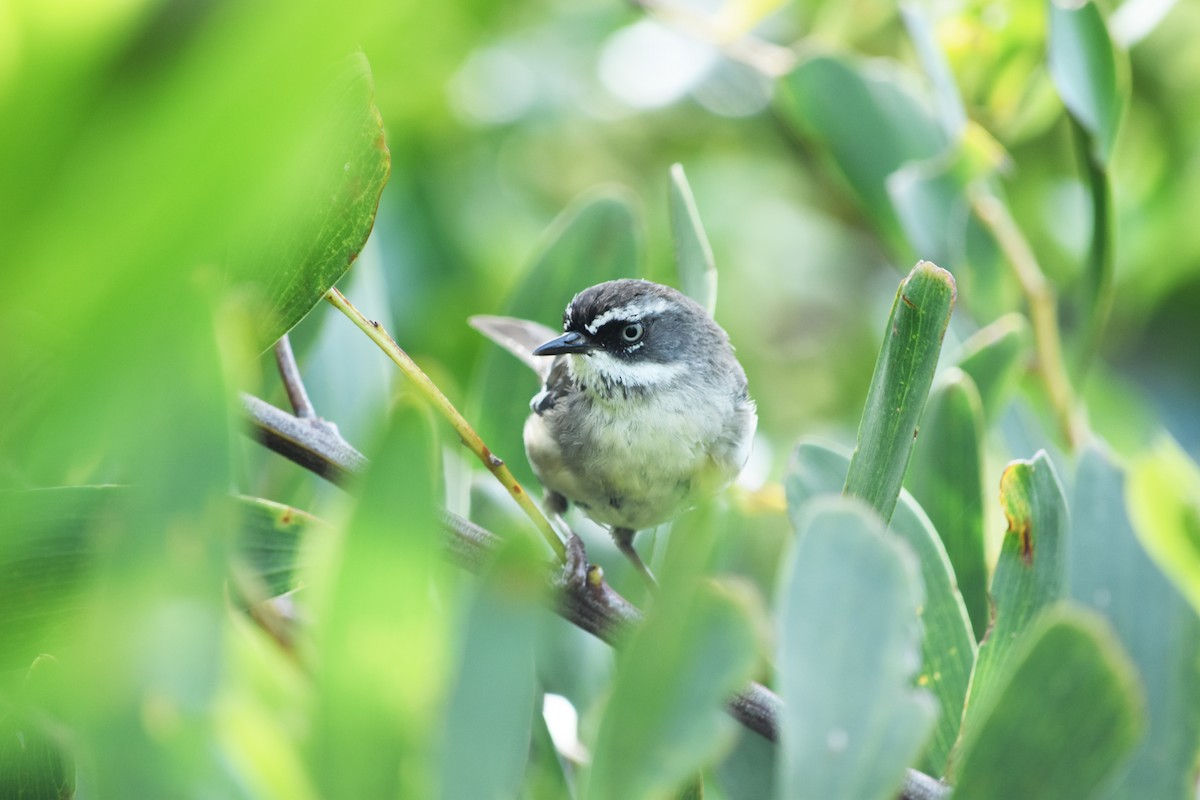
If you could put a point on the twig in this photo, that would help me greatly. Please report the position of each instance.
(465, 432)
(317, 448)
(1043, 310)
(593, 607)
(289, 372)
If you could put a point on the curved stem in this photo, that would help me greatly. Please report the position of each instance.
(1043, 311)
(466, 433)
(289, 373)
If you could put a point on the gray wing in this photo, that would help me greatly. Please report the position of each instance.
(519, 337)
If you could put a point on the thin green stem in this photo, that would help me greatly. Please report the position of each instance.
(466, 433)
(1043, 311)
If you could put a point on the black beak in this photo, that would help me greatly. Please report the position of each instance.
(569, 342)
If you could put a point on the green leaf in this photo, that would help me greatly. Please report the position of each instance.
(946, 478)
(270, 537)
(947, 100)
(1111, 572)
(292, 253)
(1164, 502)
(693, 254)
(51, 548)
(847, 655)
(666, 718)
(377, 701)
(749, 773)
(46, 555)
(899, 386)
(488, 717)
(933, 205)
(1030, 573)
(1083, 66)
(867, 119)
(994, 357)
(594, 240)
(546, 775)
(947, 646)
(1065, 711)
(34, 762)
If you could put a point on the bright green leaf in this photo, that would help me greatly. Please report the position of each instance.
(900, 385)
(848, 652)
(946, 478)
(1111, 572)
(1065, 712)
(947, 646)
(693, 254)
(326, 210)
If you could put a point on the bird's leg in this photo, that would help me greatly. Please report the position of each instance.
(624, 540)
(576, 569)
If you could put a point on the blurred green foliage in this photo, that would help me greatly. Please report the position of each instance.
(181, 181)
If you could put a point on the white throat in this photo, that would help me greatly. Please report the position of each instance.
(600, 372)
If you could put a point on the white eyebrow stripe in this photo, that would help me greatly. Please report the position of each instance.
(630, 312)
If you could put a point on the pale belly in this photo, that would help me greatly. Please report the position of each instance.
(642, 471)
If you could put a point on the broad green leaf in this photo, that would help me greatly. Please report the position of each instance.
(946, 478)
(900, 385)
(1029, 576)
(848, 652)
(1164, 503)
(993, 358)
(491, 698)
(331, 195)
(1111, 572)
(666, 718)
(693, 254)
(947, 646)
(377, 704)
(867, 119)
(1084, 68)
(1065, 712)
(594, 240)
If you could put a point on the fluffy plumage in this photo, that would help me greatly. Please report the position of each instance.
(645, 410)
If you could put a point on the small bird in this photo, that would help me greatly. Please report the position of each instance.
(644, 410)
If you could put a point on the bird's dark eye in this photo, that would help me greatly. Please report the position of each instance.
(632, 332)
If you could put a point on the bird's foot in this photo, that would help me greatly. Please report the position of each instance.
(576, 571)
